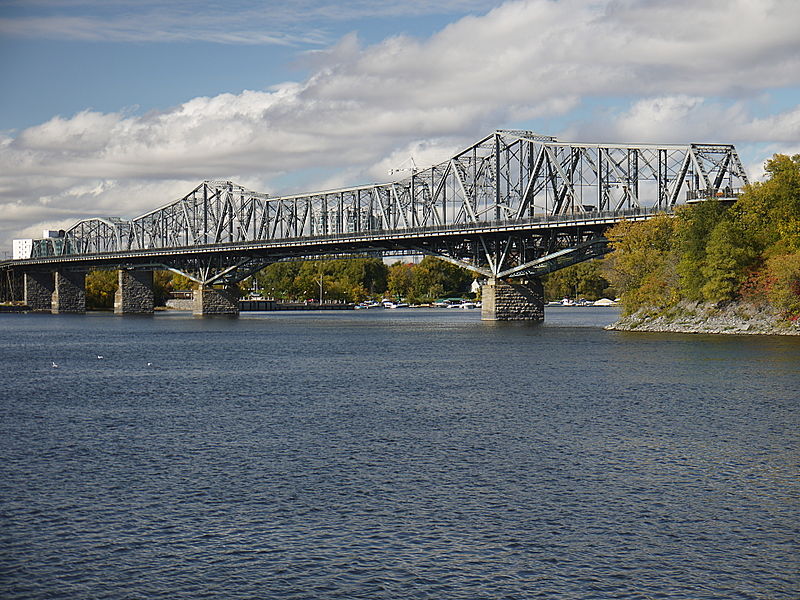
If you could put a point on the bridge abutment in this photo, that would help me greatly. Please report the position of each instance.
(70, 292)
(134, 294)
(519, 301)
(215, 301)
(38, 291)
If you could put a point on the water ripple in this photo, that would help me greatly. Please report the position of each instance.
(419, 456)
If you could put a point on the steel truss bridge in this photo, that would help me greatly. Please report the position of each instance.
(514, 204)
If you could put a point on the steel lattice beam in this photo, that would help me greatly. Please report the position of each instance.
(473, 203)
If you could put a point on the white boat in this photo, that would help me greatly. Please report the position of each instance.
(395, 305)
(468, 305)
(605, 302)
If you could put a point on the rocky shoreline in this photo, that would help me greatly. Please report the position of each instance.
(735, 318)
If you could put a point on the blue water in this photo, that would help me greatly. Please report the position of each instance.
(394, 454)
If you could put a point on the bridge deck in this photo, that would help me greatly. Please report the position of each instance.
(379, 240)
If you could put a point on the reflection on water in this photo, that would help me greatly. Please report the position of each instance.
(394, 454)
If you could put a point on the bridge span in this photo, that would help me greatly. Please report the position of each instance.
(511, 207)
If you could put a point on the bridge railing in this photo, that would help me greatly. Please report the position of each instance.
(726, 193)
(61, 248)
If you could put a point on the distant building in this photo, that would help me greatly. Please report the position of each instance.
(22, 249)
(52, 242)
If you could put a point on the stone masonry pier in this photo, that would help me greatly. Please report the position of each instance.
(70, 292)
(216, 301)
(38, 291)
(519, 301)
(134, 294)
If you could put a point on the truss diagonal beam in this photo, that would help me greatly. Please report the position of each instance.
(508, 177)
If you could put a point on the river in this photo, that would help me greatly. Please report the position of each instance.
(395, 454)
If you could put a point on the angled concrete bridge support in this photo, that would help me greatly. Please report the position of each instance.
(518, 301)
(38, 291)
(70, 292)
(134, 294)
(216, 301)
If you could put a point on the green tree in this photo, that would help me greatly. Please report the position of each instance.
(278, 279)
(694, 225)
(100, 289)
(433, 278)
(713, 253)
(584, 280)
(369, 275)
(728, 260)
(769, 211)
(400, 279)
(346, 280)
(166, 282)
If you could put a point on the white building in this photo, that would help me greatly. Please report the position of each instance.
(22, 249)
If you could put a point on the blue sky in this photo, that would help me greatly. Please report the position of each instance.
(58, 58)
(116, 107)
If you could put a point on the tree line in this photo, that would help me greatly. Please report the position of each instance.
(344, 280)
(716, 252)
(358, 279)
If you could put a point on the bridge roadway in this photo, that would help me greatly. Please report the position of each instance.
(511, 207)
(584, 229)
(412, 240)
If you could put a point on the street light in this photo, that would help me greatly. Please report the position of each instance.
(321, 290)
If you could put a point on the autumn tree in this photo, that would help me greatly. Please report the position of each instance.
(717, 253)
(643, 265)
(584, 280)
(770, 210)
(101, 286)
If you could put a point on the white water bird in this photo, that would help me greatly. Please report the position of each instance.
(55, 366)
(99, 357)
(149, 364)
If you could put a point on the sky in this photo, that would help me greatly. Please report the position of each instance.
(117, 107)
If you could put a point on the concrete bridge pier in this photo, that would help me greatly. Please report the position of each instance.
(38, 291)
(518, 301)
(70, 292)
(215, 301)
(134, 294)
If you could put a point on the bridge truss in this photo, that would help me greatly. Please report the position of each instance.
(513, 204)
